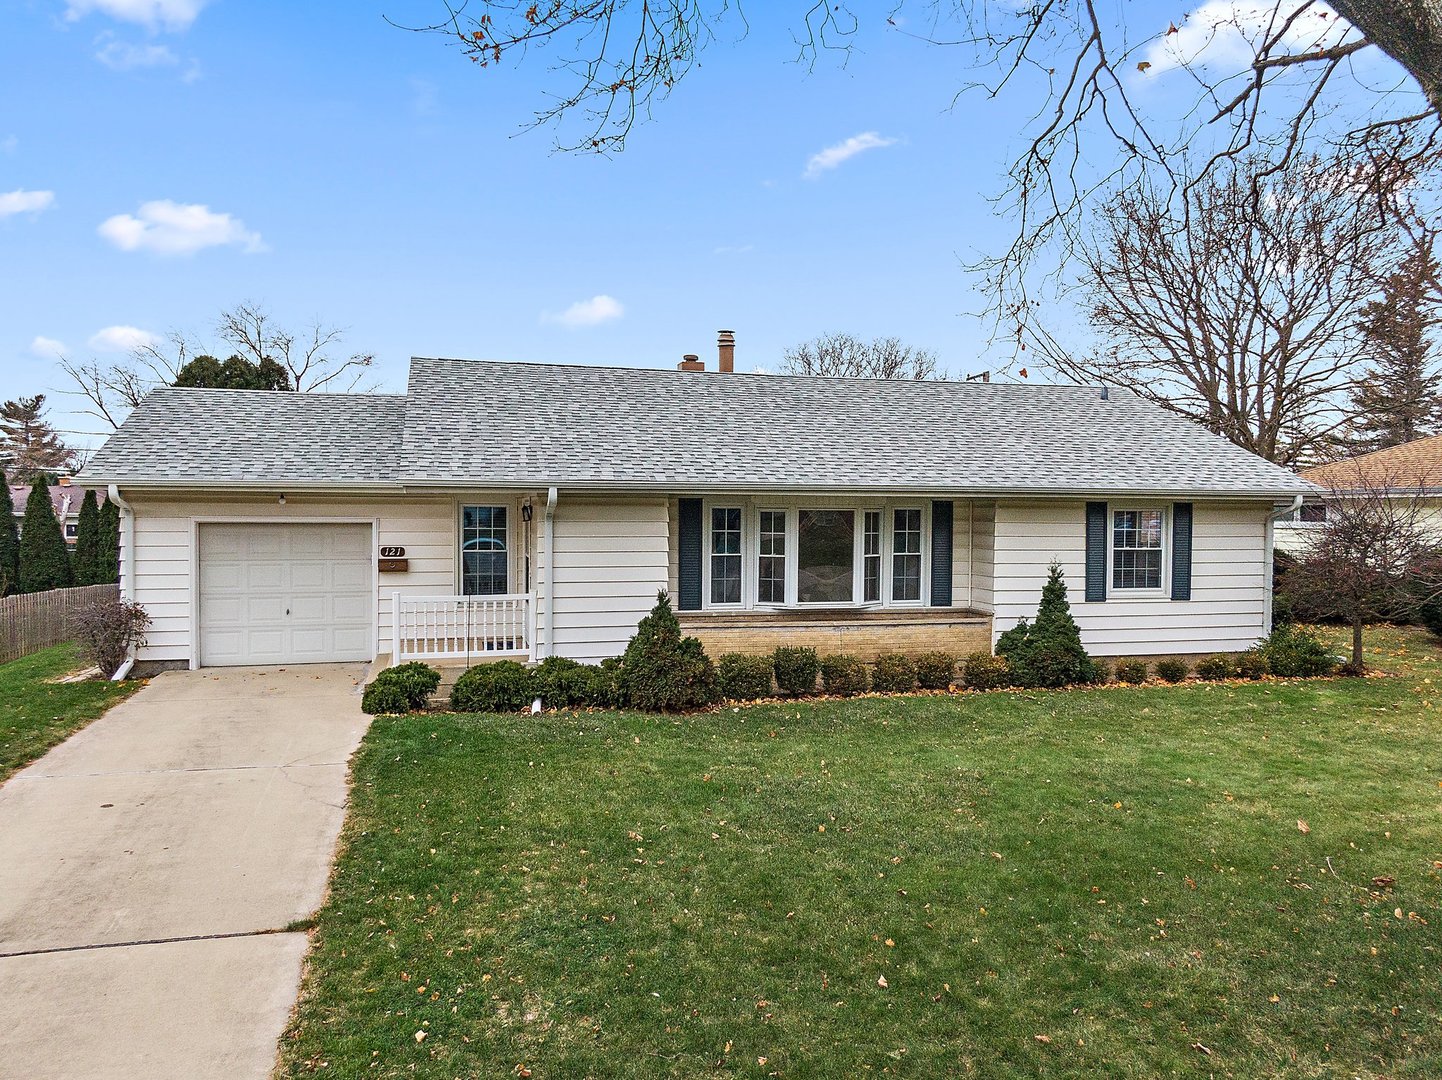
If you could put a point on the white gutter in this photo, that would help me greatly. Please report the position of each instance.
(1269, 561)
(549, 547)
(127, 564)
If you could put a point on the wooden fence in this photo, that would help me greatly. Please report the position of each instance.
(35, 621)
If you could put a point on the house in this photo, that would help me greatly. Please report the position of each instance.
(512, 509)
(65, 497)
(1411, 470)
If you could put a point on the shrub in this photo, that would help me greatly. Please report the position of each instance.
(502, 686)
(893, 673)
(44, 558)
(400, 689)
(743, 678)
(1171, 669)
(561, 682)
(605, 680)
(108, 631)
(1293, 652)
(1252, 664)
(844, 675)
(1216, 668)
(661, 670)
(796, 668)
(934, 670)
(1048, 652)
(1132, 671)
(987, 672)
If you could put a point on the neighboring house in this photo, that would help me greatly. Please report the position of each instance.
(64, 496)
(1412, 470)
(529, 509)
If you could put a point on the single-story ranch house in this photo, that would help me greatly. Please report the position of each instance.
(523, 510)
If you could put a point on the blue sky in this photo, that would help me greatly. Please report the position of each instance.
(373, 179)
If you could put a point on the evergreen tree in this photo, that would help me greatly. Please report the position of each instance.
(1049, 651)
(29, 446)
(662, 671)
(44, 558)
(87, 561)
(235, 373)
(1400, 398)
(9, 540)
(109, 560)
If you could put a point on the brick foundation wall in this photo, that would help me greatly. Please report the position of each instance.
(866, 635)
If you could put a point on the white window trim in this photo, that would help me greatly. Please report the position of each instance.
(1164, 590)
(748, 540)
(514, 567)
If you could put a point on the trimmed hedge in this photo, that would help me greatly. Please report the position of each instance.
(1252, 664)
(844, 675)
(743, 678)
(934, 670)
(1171, 669)
(987, 672)
(1216, 668)
(1132, 671)
(893, 673)
(796, 668)
(500, 687)
(663, 671)
(562, 683)
(400, 689)
(1293, 652)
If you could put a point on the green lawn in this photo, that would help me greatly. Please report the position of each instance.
(36, 714)
(1104, 882)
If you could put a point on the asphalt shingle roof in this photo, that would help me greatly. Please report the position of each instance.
(485, 423)
(1411, 466)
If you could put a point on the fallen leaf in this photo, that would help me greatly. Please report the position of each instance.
(881, 982)
(1199, 1048)
(420, 1036)
(1303, 827)
(1042, 1038)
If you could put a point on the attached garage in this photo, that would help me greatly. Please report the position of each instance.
(285, 593)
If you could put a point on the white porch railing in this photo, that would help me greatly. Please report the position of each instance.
(468, 628)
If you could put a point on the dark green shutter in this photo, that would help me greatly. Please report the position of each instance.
(1096, 551)
(941, 515)
(1181, 551)
(688, 552)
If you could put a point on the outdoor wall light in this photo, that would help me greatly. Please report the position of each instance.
(281, 500)
(526, 510)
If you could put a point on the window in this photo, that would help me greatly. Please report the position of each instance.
(72, 530)
(825, 556)
(771, 561)
(725, 555)
(1137, 549)
(871, 557)
(1313, 513)
(484, 561)
(906, 555)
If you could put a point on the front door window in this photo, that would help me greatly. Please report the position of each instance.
(485, 560)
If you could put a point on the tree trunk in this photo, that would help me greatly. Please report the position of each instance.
(1357, 667)
(1409, 31)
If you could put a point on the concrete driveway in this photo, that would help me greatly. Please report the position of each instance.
(150, 865)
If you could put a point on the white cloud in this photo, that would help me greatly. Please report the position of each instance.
(592, 312)
(118, 339)
(47, 347)
(833, 156)
(123, 56)
(1225, 34)
(25, 202)
(172, 15)
(171, 228)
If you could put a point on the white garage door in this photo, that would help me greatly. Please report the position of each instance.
(285, 594)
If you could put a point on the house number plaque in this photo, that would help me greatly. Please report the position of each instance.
(393, 561)
(393, 553)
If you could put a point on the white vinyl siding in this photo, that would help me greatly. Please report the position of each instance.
(165, 557)
(1227, 610)
(611, 561)
(983, 556)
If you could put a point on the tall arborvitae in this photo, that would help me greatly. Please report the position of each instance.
(109, 543)
(9, 540)
(44, 558)
(86, 560)
(1400, 397)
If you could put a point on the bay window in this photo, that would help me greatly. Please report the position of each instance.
(771, 562)
(725, 555)
(871, 558)
(906, 555)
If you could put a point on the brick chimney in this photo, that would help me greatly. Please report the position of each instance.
(726, 350)
(690, 362)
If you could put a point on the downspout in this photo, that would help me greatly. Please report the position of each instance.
(127, 564)
(1269, 562)
(548, 546)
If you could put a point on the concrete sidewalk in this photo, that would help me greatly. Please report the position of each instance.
(147, 865)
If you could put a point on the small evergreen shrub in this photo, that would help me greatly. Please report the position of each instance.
(1171, 669)
(1048, 652)
(743, 678)
(796, 668)
(605, 680)
(1216, 668)
(561, 682)
(1105, 673)
(501, 687)
(893, 673)
(385, 697)
(663, 671)
(108, 631)
(400, 689)
(987, 672)
(1132, 671)
(935, 670)
(844, 675)
(1293, 652)
(1252, 664)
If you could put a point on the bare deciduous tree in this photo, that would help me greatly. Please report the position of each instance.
(310, 359)
(1243, 313)
(1375, 559)
(844, 356)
